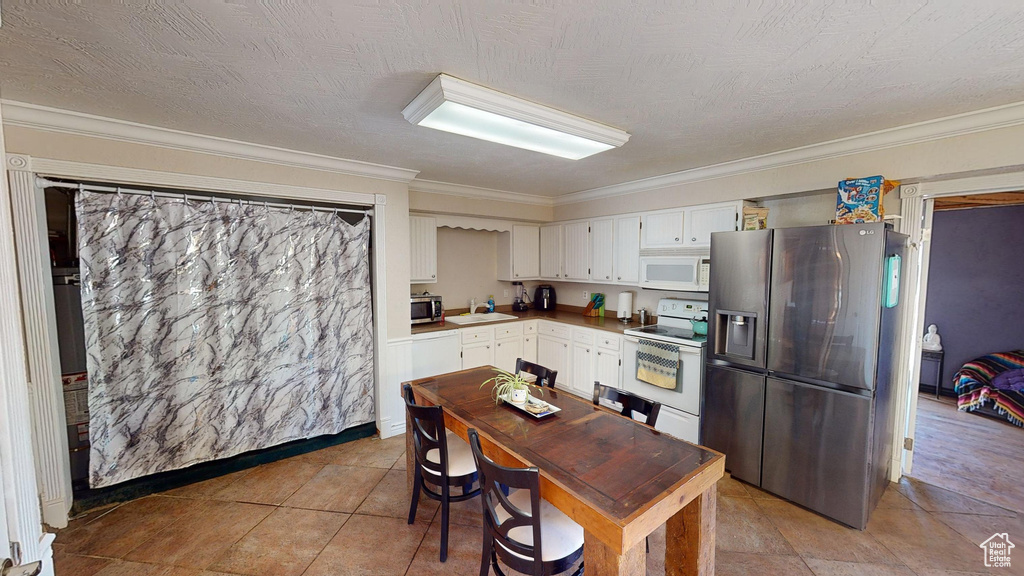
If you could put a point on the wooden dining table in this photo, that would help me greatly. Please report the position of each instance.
(617, 478)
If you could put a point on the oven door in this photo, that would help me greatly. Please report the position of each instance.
(671, 273)
(686, 395)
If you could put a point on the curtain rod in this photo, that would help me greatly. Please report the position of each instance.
(45, 183)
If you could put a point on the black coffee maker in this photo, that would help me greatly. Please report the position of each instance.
(544, 297)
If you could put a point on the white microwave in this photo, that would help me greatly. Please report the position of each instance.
(681, 273)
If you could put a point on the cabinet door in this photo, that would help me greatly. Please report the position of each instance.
(602, 250)
(507, 351)
(551, 252)
(679, 424)
(576, 255)
(609, 366)
(422, 249)
(704, 221)
(553, 354)
(662, 230)
(475, 355)
(627, 250)
(525, 252)
(582, 369)
(530, 348)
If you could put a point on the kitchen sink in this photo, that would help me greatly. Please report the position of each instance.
(480, 318)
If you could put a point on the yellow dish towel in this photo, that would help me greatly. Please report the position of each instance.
(657, 363)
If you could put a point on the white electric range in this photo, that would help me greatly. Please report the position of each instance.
(680, 412)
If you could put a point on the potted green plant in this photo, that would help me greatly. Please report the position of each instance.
(511, 387)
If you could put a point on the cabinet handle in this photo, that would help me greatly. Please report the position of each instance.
(677, 239)
(693, 239)
(620, 277)
(488, 347)
(565, 345)
(517, 275)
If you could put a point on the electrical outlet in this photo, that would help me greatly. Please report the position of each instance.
(506, 293)
(586, 295)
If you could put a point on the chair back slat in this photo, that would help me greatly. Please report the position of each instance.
(495, 481)
(428, 433)
(630, 402)
(545, 376)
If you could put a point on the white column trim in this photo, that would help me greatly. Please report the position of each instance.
(46, 394)
(380, 314)
(17, 473)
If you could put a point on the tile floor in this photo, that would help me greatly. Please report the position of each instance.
(341, 511)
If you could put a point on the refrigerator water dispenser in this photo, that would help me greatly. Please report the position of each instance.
(734, 333)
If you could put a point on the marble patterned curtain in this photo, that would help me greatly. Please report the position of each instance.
(213, 329)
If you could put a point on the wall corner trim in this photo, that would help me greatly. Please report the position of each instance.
(957, 125)
(435, 187)
(37, 117)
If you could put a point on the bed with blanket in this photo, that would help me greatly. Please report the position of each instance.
(993, 384)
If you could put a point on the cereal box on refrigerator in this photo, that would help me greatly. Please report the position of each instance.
(860, 199)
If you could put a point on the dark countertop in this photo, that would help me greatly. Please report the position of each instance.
(572, 317)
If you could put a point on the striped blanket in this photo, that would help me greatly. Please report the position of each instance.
(974, 385)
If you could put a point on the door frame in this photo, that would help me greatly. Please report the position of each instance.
(915, 220)
(49, 439)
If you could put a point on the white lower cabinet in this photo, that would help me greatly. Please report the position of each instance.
(584, 344)
(553, 353)
(477, 347)
(530, 348)
(609, 368)
(682, 425)
(507, 351)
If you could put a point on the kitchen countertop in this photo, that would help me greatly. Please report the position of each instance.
(572, 317)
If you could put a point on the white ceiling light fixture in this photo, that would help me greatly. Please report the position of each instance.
(468, 109)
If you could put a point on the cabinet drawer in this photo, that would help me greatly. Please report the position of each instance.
(508, 330)
(583, 337)
(529, 327)
(471, 335)
(609, 342)
(560, 331)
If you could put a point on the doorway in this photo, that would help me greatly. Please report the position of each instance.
(971, 293)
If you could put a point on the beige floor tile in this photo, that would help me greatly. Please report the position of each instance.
(202, 535)
(977, 529)
(935, 499)
(370, 545)
(74, 565)
(727, 486)
(758, 494)
(922, 541)
(656, 556)
(121, 530)
(371, 452)
(930, 572)
(391, 498)
(336, 488)
(283, 544)
(467, 513)
(464, 547)
(270, 483)
(894, 499)
(124, 568)
(743, 527)
(813, 536)
(834, 568)
(743, 564)
(400, 464)
(207, 488)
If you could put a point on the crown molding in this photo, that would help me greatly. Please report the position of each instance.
(435, 187)
(960, 124)
(65, 121)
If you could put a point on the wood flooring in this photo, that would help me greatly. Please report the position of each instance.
(970, 454)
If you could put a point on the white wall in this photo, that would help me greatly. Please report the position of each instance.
(467, 267)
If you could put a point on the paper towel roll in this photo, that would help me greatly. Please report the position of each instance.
(625, 309)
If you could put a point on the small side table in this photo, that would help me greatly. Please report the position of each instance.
(931, 369)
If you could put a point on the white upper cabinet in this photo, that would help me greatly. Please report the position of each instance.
(705, 220)
(422, 249)
(576, 262)
(602, 250)
(519, 254)
(551, 252)
(662, 229)
(627, 250)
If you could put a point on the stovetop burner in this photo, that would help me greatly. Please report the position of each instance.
(667, 333)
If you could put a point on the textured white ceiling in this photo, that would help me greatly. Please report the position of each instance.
(695, 83)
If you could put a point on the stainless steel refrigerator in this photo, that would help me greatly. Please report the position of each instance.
(799, 378)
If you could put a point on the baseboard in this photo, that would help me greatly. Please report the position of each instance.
(55, 512)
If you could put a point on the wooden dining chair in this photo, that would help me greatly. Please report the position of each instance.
(522, 529)
(545, 376)
(630, 402)
(443, 460)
